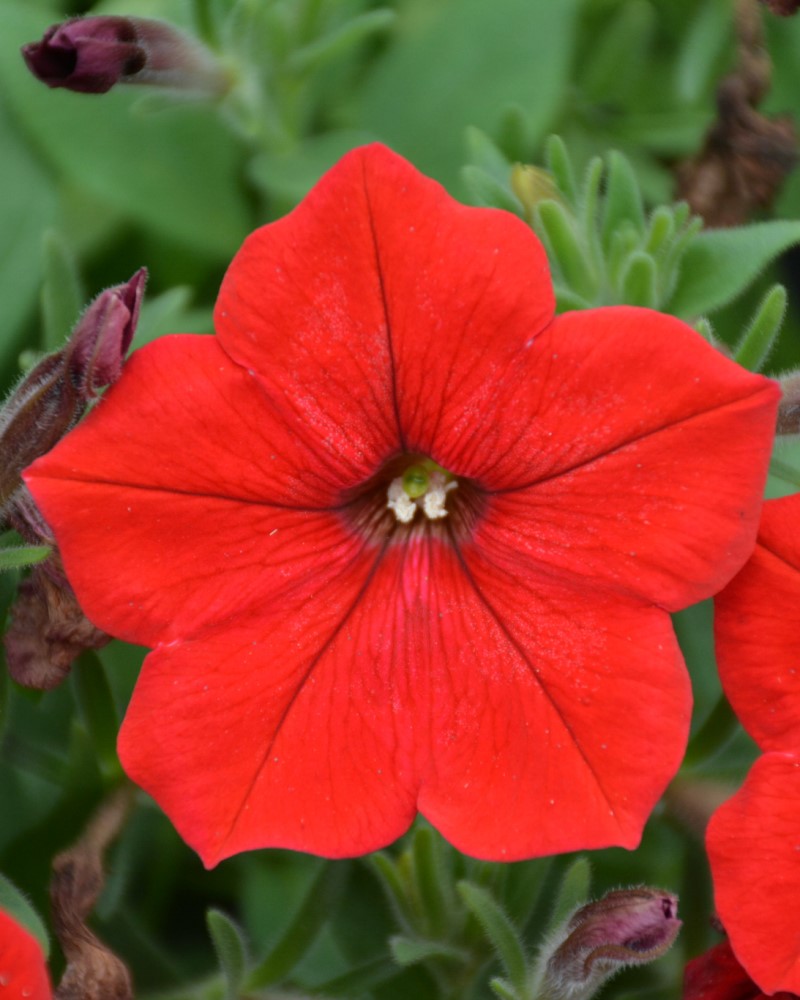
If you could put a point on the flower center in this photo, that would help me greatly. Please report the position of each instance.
(423, 486)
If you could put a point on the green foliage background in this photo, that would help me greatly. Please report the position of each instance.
(92, 188)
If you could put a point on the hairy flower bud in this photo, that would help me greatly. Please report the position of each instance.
(625, 927)
(54, 393)
(92, 54)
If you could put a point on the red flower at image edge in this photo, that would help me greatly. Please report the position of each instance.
(23, 973)
(717, 975)
(495, 652)
(753, 843)
(753, 840)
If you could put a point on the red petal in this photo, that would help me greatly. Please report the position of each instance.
(548, 720)
(631, 455)
(716, 975)
(382, 301)
(173, 496)
(23, 973)
(753, 844)
(757, 631)
(575, 708)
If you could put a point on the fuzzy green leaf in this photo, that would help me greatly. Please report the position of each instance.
(623, 202)
(20, 556)
(231, 948)
(62, 295)
(575, 889)
(760, 336)
(499, 930)
(410, 951)
(719, 264)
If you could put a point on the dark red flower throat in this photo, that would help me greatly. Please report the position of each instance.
(413, 497)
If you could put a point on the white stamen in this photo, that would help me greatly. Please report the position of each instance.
(432, 502)
(400, 502)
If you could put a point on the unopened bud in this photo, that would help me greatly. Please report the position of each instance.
(532, 185)
(789, 406)
(55, 392)
(92, 54)
(625, 927)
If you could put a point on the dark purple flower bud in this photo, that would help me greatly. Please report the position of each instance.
(625, 927)
(92, 54)
(55, 392)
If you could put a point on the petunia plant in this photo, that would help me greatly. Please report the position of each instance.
(358, 578)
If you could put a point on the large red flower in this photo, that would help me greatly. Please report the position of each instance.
(754, 839)
(495, 652)
(757, 631)
(717, 975)
(23, 973)
(753, 843)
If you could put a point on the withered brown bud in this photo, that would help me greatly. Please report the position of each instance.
(789, 407)
(90, 55)
(783, 8)
(93, 971)
(48, 630)
(746, 156)
(625, 927)
(55, 392)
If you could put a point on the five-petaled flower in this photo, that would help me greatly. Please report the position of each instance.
(716, 975)
(753, 840)
(23, 973)
(403, 541)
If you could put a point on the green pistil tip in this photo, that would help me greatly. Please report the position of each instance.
(415, 481)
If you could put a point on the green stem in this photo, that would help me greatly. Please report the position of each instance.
(718, 729)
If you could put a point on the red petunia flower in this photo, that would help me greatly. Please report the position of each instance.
(403, 541)
(753, 840)
(717, 975)
(757, 631)
(753, 843)
(23, 973)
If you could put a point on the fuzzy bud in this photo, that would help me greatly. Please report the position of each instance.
(55, 392)
(625, 927)
(92, 54)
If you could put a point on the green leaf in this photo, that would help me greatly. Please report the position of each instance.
(433, 881)
(575, 890)
(62, 295)
(462, 62)
(623, 202)
(560, 166)
(503, 989)
(312, 916)
(484, 190)
(499, 930)
(719, 264)
(706, 37)
(231, 948)
(17, 906)
(96, 705)
(290, 176)
(19, 556)
(409, 951)
(564, 244)
(27, 207)
(334, 44)
(639, 281)
(175, 172)
(613, 63)
(760, 336)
